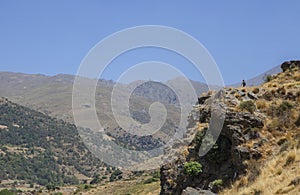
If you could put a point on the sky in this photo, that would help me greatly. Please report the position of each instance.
(245, 38)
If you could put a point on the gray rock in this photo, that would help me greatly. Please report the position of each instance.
(242, 94)
(202, 99)
(243, 152)
(252, 96)
(193, 191)
(295, 181)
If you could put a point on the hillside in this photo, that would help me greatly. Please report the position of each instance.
(258, 149)
(52, 95)
(40, 150)
(258, 146)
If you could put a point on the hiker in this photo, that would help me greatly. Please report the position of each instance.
(243, 83)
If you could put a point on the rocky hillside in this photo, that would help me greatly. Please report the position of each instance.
(258, 149)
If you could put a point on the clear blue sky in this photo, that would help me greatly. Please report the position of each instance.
(245, 38)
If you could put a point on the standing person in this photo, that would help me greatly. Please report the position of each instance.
(243, 83)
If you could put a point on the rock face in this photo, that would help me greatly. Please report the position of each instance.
(225, 161)
(290, 64)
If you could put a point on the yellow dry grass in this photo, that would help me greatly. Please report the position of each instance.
(261, 104)
(275, 177)
(280, 163)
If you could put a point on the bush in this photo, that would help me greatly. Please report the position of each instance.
(285, 114)
(58, 193)
(217, 182)
(268, 78)
(261, 104)
(192, 168)
(216, 185)
(284, 106)
(156, 174)
(115, 175)
(255, 90)
(248, 105)
(150, 180)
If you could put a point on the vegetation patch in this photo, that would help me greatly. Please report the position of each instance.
(41, 150)
(248, 105)
(283, 107)
(268, 78)
(193, 168)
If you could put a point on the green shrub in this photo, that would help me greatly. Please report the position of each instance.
(284, 106)
(58, 193)
(217, 185)
(248, 105)
(115, 175)
(87, 186)
(268, 78)
(217, 182)
(156, 174)
(192, 168)
(150, 180)
(198, 139)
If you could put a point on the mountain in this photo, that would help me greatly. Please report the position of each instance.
(52, 95)
(41, 150)
(48, 94)
(260, 79)
(258, 145)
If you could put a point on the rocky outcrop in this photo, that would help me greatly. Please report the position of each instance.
(290, 64)
(225, 161)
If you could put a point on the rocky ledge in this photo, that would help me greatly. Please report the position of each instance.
(225, 162)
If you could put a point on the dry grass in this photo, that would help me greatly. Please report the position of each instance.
(274, 178)
(261, 104)
(281, 154)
